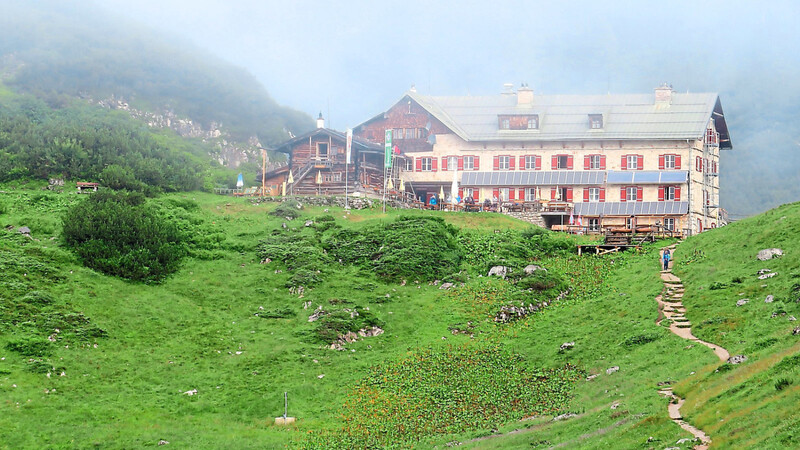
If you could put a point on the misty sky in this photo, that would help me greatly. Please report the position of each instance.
(353, 59)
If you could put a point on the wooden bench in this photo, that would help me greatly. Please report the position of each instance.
(87, 186)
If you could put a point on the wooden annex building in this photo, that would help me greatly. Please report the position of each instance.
(616, 161)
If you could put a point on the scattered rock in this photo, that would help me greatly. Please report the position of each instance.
(351, 337)
(796, 331)
(738, 359)
(763, 271)
(321, 376)
(284, 225)
(769, 253)
(24, 230)
(563, 417)
(769, 299)
(567, 345)
(611, 370)
(446, 286)
(742, 302)
(592, 377)
(792, 318)
(309, 223)
(529, 269)
(190, 393)
(767, 275)
(615, 405)
(499, 271)
(317, 314)
(163, 442)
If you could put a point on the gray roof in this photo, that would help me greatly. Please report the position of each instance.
(532, 178)
(565, 117)
(631, 208)
(647, 177)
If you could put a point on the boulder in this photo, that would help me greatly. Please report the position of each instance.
(767, 275)
(796, 331)
(317, 314)
(737, 359)
(769, 299)
(567, 345)
(531, 268)
(742, 302)
(769, 253)
(499, 271)
(446, 286)
(24, 230)
(611, 370)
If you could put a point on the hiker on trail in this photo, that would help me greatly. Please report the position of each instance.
(666, 258)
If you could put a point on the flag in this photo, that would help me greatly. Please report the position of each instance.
(571, 218)
(291, 178)
(240, 181)
(396, 149)
(349, 146)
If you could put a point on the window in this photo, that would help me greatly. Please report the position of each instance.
(503, 163)
(669, 192)
(594, 162)
(469, 192)
(337, 176)
(594, 194)
(327, 177)
(505, 124)
(593, 224)
(427, 164)
(452, 163)
(504, 194)
(411, 133)
(409, 164)
(669, 161)
(322, 149)
(631, 193)
(530, 162)
(596, 121)
(397, 133)
(562, 162)
(533, 122)
(422, 133)
(669, 223)
(632, 162)
(469, 163)
(530, 194)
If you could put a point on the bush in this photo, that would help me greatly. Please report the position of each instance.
(31, 346)
(289, 209)
(118, 234)
(342, 321)
(782, 384)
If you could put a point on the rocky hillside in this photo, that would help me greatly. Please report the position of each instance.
(62, 52)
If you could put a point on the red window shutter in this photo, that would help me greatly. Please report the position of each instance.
(477, 161)
(569, 162)
(554, 163)
(677, 161)
(444, 163)
(476, 194)
(419, 164)
(496, 163)
(460, 163)
(569, 194)
(553, 193)
(496, 193)
(511, 194)
(538, 163)
(522, 163)
(511, 161)
(586, 194)
(698, 163)
(624, 162)
(660, 162)
(586, 163)
(521, 194)
(602, 194)
(639, 162)
(639, 194)
(602, 162)
(622, 194)
(434, 161)
(715, 167)
(661, 193)
(677, 193)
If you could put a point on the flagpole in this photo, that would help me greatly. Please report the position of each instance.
(348, 150)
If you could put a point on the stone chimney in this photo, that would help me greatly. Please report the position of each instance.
(664, 95)
(320, 121)
(524, 95)
(508, 89)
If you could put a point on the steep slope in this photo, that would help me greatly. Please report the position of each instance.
(58, 50)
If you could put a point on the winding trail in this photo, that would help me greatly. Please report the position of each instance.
(670, 306)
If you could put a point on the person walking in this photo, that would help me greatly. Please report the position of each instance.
(666, 257)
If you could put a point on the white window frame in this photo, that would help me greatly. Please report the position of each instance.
(468, 192)
(397, 133)
(469, 163)
(596, 121)
(337, 176)
(594, 162)
(593, 224)
(504, 162)
(409, 164)
(631, 194)
(669, 193)
(669, 223)
(533, 120)
(427, 164)
(530, 194)
(632, 162)
(669, 161)
(504, 194)
(594, 194)
(559, 159)
(530, 162)
(452, 163)
(505, 124)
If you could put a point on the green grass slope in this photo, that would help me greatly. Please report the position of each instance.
(754, 404)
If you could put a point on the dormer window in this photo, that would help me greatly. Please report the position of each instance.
(596, 121)
(505, 124)
(533, 122)
(518, 122)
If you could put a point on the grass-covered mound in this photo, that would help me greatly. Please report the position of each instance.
(751, 405)
(443, 391)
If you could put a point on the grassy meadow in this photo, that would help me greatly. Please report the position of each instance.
(90, 360)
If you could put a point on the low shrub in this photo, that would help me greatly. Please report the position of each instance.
(31, 346)
(342, 321)
(278, 313)
(639, 339)
(289, 209)
(782, 384)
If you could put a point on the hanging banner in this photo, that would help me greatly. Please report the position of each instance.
(349, 146)
(388, 150)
